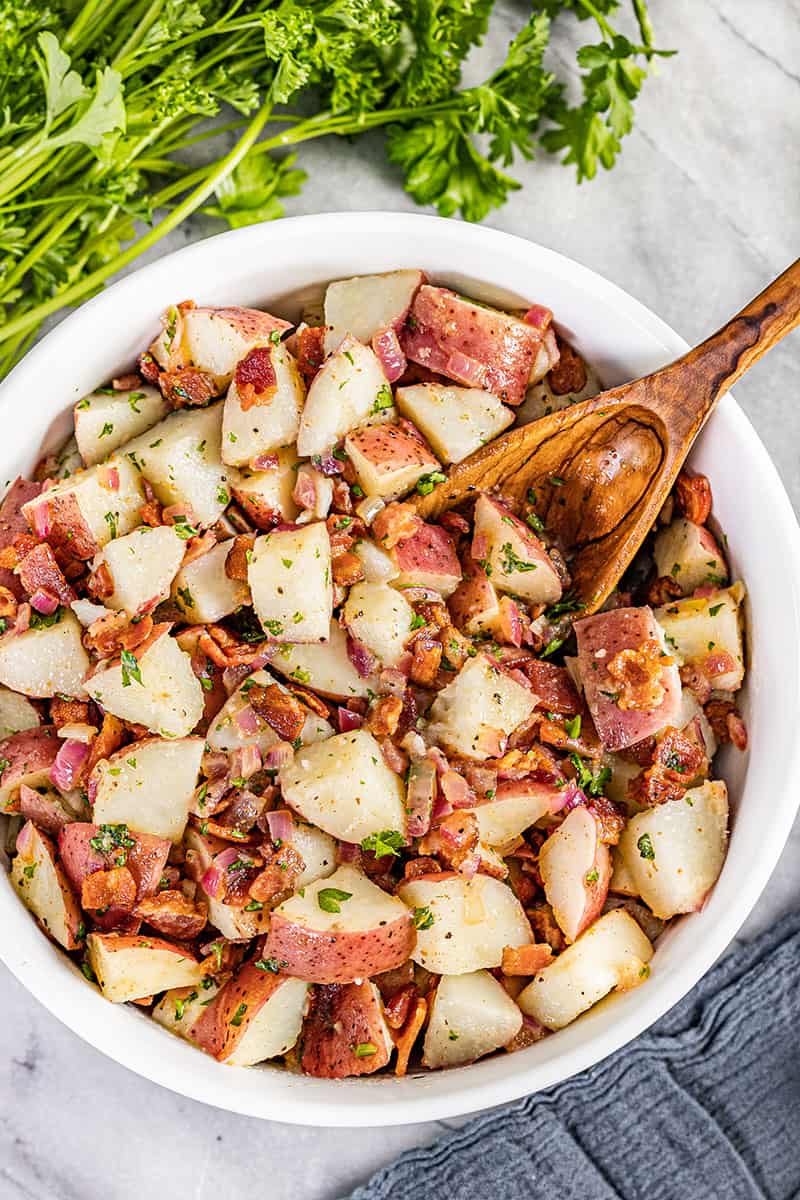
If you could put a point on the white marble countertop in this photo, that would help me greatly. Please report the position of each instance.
(701, 211)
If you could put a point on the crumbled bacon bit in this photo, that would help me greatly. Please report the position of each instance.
(278, 879)
(404, 1041)
(526, 960)
(693, 497)
(114, 632)
(347, 569)
(102, 889)
(426, 662)
(172, 913)
(662, 590)
(68, 712)
(312, 701)
(384, 716)
(150, 513)
(695, 679)
(454, 523)
(8, 604)
(100, 583)
(454, 840)
(279, 709)
(39, 571)
(545, 927)
(187, 387)
(679, 758)
(109, 739)
(310, 350)
(256, 381)
(610, 819)
(638, 675)
(126, 383)
(415, 868)
(225, 650)
(149, 368)
(394, 524)
(726, 723)
(396, 1008)
(569, 373)
(238, 557)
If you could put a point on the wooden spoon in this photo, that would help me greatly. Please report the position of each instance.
(601, 470)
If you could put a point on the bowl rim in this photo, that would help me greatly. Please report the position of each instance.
(154, 1053)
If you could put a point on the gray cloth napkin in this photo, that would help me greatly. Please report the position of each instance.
(705, 1106)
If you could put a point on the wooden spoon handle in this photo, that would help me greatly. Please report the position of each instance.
(687, 390)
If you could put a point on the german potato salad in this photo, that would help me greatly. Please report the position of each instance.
(313, 780)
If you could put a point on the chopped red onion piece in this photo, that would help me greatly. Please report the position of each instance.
(25, 839)
(43, 602)
(361, 658)
(281, 826)
(265, 462)
(456, 790)
(44, 811)
(68, 763)
(348, 720)
(41, 520)
(281, 755)
(390, 354)
(247, 721)
(349, 852)
(538, 316)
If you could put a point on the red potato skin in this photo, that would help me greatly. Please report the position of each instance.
(511, 789)
(260, 513)
(341, 1018)
(115, 942)
(213, 1031)
(474, 596)
(146, 860)
(13, 523)
(389, 447)
(251, 323)
(553, 686)
(621, 629)
(72, 908)
(476, 346)
(27, 752)
(428, 552)
(339, 957)
(68, 529)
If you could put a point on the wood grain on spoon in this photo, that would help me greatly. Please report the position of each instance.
(602, 469)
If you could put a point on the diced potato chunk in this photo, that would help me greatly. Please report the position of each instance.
(344, 786)
(380, 617)
(471, 1015)
(131, 966)
(203, 591)
(378, 566)
(475, 713)
(181, 1008)
(290, 580)
(42, 886)
(701, 630)
(91, 507)
(216, 339)
(47, 661)
(180, 458)
(142, 564)
(347, 388)
(326, 667)
(464, 924)
(148, 786)
(263, 415)
(16, 713)
(388, 459)
(266, 496)
(674, 852)
(612, 953)
(455, 420)
(108, 418)
(169, 698)
(230, 730)
(366, 304)
(689, 554)
(514, 558)
(427, 559)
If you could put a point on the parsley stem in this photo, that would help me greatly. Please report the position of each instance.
(138, 33)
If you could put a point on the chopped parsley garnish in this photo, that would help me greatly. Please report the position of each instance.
(423, 918)
(714, 609)
(573, 727)
(223, 496)
(184, 529)
(591, 876)
(366, 1049)
(130, 669)
(111, 521)
(330, 899)
(511, 561)
(535, 521)
(645, 847)
(270, 965)
(106, 430)
(113, 840)
(417, 621)
(45, 620)
(426, 483)
(236, 1019)
(383, 400)
(275, 628)
(592, 785)
(382, 844)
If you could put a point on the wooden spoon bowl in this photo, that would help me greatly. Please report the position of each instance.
(598, 473)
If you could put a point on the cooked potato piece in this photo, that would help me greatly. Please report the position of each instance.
(622, 881)
(674, 852)
(326, 667)
(347, 388)
(575, 867)
(388, 459)
(89, 508)
(181, 1008)
(366, 304)
(142, 564)
(612, 953)
(257, 1015)
(108, 418)
(216, 339)
(378, 566)
(514, 558)
(237, 724)
(541, 400)
(342, 928)
(180, 459)
(290, 580)
(26, 757)
(202, 590)
(707, 632)
(475, 713)
(455, 420)
(161, 693)
(380, 618)
(317, 850)
(266, 496)
(470, 1016)
(42, 886)
(45, 662)
(463, 924)
(16, 713)
(148, 786)
(130, 966)
(346, 1032)
(516, 805)
(236, 923)
(344, 786)
(474, 605)
(263, 405)
(427, 559)
(689, 554)
(623, 717)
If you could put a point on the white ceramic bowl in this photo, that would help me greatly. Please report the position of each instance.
(272, 266)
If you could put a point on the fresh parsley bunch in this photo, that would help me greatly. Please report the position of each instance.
(100, 99)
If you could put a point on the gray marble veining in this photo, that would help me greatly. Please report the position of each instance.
(702, 210)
